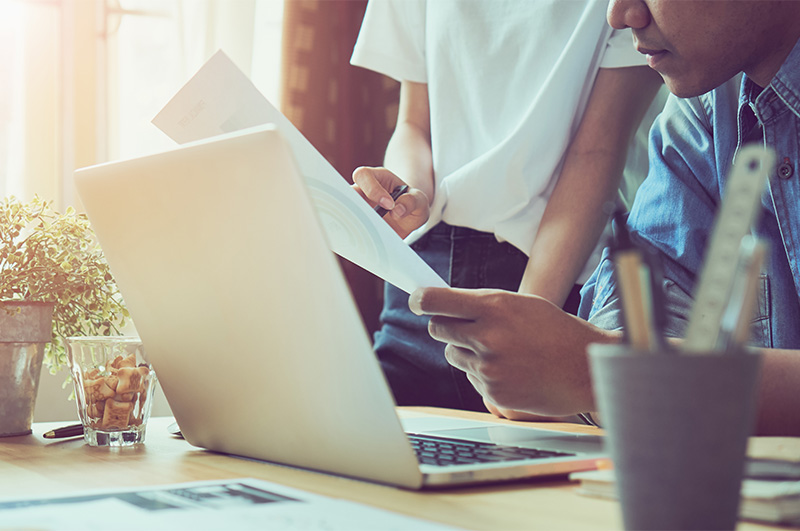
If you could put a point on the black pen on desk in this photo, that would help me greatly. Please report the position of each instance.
(634, 280)
(397, 192)
(74, 430)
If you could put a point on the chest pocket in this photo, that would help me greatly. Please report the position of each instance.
(679, 306)
(760, 329)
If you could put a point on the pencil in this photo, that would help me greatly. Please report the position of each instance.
(633, 278)
(74, 430)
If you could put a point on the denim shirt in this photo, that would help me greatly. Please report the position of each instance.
(692, 147)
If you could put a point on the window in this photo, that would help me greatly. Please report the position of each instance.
(155, 46)
(80, 80)
(29, 97)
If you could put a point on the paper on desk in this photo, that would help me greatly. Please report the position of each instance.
(221, 99)
(241, 504)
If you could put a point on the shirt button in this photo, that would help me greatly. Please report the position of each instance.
(785, 170)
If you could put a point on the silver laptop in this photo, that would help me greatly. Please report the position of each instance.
(253, 332)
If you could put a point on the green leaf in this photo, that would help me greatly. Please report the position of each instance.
(45, 255)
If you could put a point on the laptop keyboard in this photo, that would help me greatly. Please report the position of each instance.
(441, 451)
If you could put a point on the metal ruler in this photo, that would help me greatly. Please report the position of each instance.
(740, 205)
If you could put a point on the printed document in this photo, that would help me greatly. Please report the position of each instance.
(221, 99)
(240, 504)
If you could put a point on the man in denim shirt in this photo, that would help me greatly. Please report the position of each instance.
(524, 355)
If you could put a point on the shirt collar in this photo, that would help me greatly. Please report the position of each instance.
(747, 119)
(787, 81)
(784, 86)
(757, 105)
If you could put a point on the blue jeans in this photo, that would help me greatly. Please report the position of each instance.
(413, 362)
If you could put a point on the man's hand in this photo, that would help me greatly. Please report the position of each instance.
(521, 352)
(409, 212)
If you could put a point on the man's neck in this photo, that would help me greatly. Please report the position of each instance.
(779, 49)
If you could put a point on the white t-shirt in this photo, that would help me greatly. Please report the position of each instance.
(508, 82)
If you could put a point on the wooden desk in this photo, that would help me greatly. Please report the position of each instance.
(37, 467)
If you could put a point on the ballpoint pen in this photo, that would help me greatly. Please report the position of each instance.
(397, 192)
(75, 430)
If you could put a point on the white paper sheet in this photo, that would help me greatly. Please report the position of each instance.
(241, 504)
(221, 99)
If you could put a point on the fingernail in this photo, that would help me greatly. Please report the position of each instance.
(414, 302)
(399, 210)
(386, 202)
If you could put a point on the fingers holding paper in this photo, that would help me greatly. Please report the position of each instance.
(406, 213)
(521, 352)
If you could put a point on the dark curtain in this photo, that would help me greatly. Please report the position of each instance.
(346, 112)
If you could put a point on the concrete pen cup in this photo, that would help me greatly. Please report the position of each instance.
(114, 386)
(677, 426)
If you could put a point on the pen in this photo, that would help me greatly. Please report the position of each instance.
(75, 430)
(397, 192)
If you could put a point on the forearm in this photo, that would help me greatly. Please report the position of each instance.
(409, 154)
(572, 224)
(593, 166)
(779, 393)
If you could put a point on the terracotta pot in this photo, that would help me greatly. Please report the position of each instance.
(25, 329)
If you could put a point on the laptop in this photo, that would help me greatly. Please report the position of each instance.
(254, 335)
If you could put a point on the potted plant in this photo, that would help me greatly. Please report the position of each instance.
(50, 264)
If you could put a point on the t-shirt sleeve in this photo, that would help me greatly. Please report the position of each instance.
(620, 52)
(392, 40)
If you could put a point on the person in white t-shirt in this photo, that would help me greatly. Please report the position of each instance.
(514, 122)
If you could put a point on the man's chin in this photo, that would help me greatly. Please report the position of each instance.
(685, 89)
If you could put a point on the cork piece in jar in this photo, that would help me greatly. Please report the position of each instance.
(112, 381)
(128, 361)
(131, 379)
(116, 415)
(97, 390)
